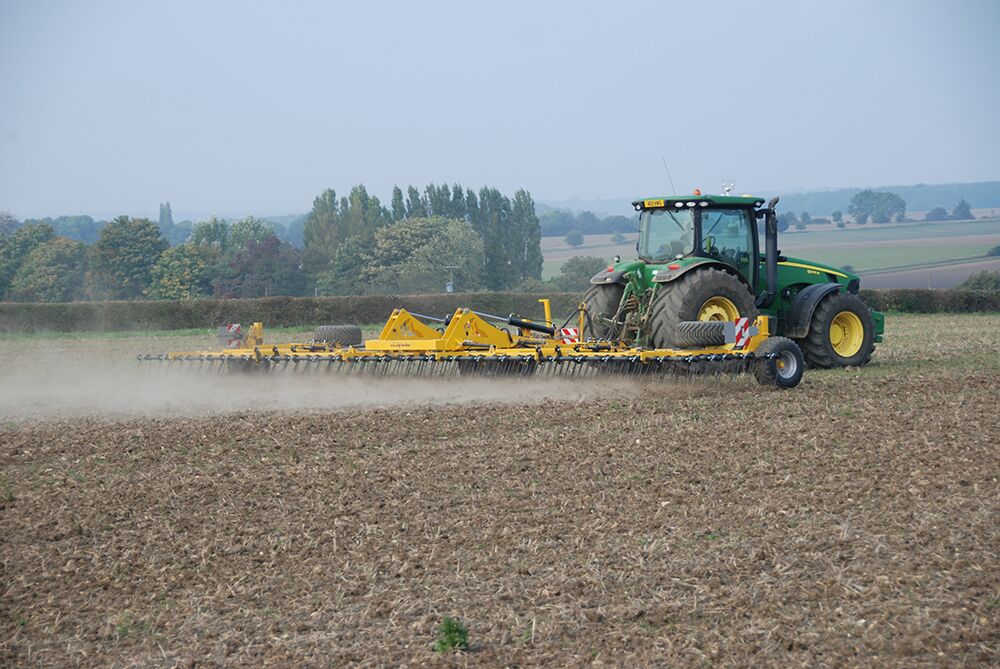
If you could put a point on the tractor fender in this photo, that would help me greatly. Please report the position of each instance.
(668, 275)
(803, 305)
(605, 277)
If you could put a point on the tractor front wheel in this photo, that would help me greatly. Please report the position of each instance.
(602, 301)
(841, 333)
(708, 294)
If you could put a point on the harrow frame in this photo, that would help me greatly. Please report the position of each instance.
(467, 343)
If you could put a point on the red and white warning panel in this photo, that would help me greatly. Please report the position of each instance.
(742, 332)
(738, 332)
(231, 335)
(569, 335)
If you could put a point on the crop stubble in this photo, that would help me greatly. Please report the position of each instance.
(850, 522)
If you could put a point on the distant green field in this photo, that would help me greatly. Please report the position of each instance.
(861, 235)
(873, 247)
(866, 249)
(887, 257)
(556, 251)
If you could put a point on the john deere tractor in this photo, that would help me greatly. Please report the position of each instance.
(700, 260)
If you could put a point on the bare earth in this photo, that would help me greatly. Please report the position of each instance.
(850, 522)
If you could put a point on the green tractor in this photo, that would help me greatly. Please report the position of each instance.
(700, 260)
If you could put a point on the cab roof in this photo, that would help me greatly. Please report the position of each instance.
(723, 200)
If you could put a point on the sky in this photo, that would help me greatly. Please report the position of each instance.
(243, 107)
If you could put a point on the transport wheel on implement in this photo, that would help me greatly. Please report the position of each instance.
(779, 362)
(344, 335)
(709, 294)
(841, 333)
(602, 304)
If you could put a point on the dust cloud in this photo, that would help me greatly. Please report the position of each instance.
(62, 384)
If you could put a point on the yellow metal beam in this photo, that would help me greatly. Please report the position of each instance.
(465, 330)
(466, 336)
(404, 325)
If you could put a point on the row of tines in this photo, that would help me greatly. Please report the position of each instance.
(431, 366)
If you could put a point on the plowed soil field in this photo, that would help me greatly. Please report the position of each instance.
(853, 521)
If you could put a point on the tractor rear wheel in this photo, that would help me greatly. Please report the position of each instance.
(602, 302)
(841, 333)
(708, 294)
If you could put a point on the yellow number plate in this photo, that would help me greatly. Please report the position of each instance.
(652, 203)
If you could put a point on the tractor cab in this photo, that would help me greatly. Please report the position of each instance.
(693, 228)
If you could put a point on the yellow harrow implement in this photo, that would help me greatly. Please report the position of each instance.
(475, 343)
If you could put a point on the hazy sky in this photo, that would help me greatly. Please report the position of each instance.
(251, 107)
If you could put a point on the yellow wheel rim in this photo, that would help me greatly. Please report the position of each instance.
(847, 334)
(718, 308)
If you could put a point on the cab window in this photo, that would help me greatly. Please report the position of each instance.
(665, 234)
(725, 235)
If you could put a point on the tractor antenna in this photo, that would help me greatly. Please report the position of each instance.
(727, 187)
(673, 191)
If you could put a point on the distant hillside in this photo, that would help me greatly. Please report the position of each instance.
(618, 206)
(919, 197)
(85, 229)
(287, 220)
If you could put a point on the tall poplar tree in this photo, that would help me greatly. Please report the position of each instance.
(398, 206)
(529, 236)
(320, 232)
(415, 205)
(458, 207)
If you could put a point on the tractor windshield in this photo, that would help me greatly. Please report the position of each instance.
(666, 234)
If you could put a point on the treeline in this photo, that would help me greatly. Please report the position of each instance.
(131, 259)
(560, 222)
(285, 228)
(424, 239)
(352, 245)
(920, 197)
(86, 229)
(867, 206)
(874, 206)
(961, 212)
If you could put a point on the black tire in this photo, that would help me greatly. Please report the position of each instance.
(344, 335)
(699, 334)
(778, 362)
(682, 300)
(818, 346)
(602, 303)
